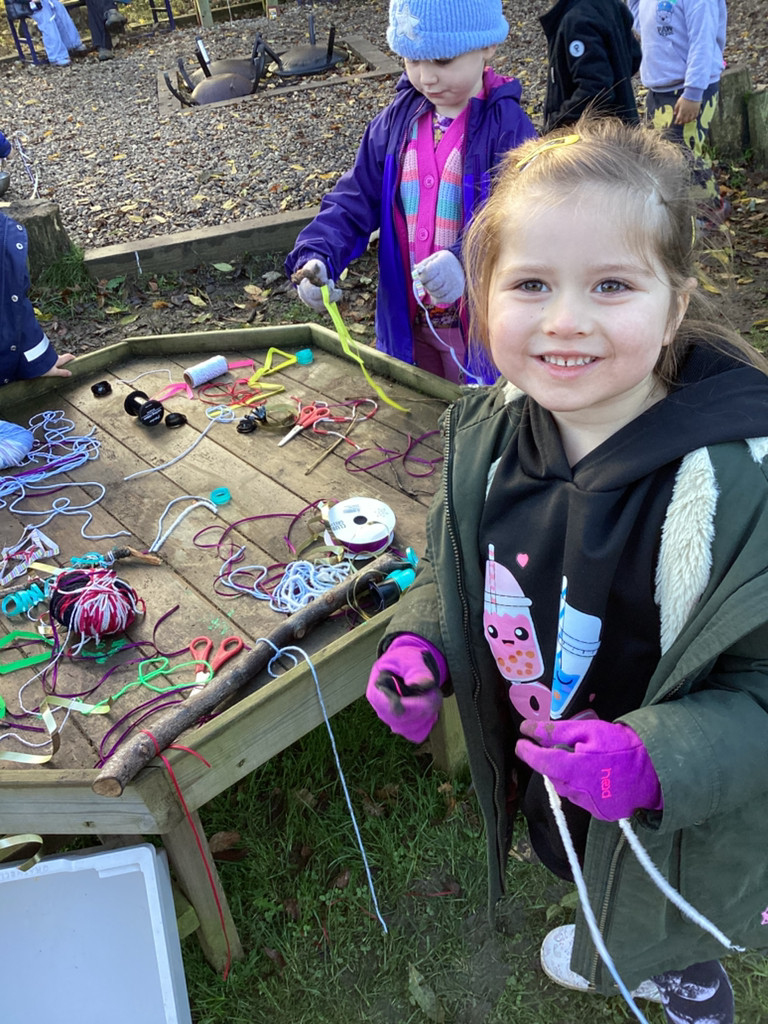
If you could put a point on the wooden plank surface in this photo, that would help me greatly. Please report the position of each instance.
(263, 479)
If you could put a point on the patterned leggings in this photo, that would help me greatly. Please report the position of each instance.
(701, 994)
(659, 111)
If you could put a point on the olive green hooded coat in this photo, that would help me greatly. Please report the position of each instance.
(704, 719)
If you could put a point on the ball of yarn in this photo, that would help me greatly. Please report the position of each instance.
(94, 602)
(15, 444)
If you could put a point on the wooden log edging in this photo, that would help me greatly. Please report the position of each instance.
(137, 752)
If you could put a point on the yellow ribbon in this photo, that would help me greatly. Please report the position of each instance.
(347, 341)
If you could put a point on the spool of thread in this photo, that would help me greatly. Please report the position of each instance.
(201, 373)
(362, 526)
(93, 603)
(15, 444)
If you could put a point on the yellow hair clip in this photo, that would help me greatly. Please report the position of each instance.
(562, 140)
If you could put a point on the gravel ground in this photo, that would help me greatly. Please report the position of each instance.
(121, 169)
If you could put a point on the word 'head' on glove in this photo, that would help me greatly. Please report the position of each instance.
(442, 275)
(313, 275)
(603, 767)
(404, 686)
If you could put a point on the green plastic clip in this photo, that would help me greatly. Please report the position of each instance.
(33, 659)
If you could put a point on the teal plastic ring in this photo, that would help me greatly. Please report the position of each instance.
(304, 356)
(220, 496)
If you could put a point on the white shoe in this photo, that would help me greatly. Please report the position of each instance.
(556, 963)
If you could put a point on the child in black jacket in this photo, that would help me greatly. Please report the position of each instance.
(592, 58)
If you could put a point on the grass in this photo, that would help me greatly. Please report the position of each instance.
(315, 951)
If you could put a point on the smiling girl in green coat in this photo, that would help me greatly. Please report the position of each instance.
(595, 586)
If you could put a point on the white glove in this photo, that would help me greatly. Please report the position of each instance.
(310, 294)
(442, 275)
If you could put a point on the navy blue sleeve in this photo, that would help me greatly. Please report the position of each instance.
(25, 350)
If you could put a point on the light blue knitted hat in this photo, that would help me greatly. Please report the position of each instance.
(434, 29)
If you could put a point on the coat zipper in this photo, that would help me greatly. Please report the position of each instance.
(606, 900)
(449, 518)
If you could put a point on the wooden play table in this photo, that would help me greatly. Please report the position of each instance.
(56, 798)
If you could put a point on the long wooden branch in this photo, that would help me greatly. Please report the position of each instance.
(138, 751)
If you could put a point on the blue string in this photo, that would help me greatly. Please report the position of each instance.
(289, 652)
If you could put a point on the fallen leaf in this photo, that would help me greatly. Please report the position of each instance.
(223, 841)
(341, 881)
(424, 996)
(291, 907)
(304, 796)
(196, 300)
(761, 255)
(299, 856)
(276, 957)
(223, 267)
(131, 318)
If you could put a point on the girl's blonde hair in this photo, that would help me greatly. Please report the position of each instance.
(646, 183)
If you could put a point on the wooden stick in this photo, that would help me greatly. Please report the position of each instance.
(139, 750)
(333, 447)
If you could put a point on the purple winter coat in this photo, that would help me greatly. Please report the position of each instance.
(364, 199)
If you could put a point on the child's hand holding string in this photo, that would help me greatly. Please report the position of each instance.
(310, 279)
(404, 686)
(601, 766)
(442, 275)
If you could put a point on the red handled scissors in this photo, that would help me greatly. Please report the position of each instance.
(201, 649)
(308, 416)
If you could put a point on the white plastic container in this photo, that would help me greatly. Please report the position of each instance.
(91, 937)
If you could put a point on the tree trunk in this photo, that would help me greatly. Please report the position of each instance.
(757, 112)
(48, 240)
(729, 131)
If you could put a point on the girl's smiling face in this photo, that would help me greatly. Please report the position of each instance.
(577, 317)
(451, 83)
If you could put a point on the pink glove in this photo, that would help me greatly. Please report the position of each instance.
(601, 766)
(404, 686)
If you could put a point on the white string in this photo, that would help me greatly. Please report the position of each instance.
(302, 582)
(289, 652)
(670, 892)
(63, 506)
(33, 177)
(160, 537)
(147, 373)
(56, 428)
(216, 414)
(578, 877)
(419, 292)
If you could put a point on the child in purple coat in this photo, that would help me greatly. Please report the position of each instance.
(423, 168)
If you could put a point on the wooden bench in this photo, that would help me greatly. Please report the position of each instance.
(22, 36)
